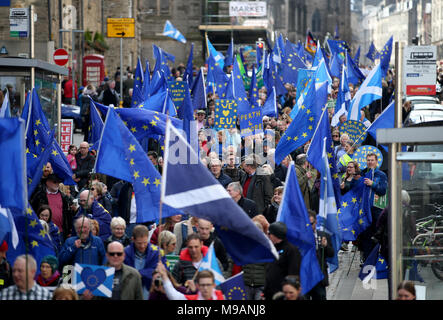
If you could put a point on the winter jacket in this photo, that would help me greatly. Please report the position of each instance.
(184, 269)
(92, 252)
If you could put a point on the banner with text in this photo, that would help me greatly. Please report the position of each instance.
(225, 113)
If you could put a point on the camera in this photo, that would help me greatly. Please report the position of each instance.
(158, 282)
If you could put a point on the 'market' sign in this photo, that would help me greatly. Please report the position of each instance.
(247, 8)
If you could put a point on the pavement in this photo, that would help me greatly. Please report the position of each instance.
(344, 283)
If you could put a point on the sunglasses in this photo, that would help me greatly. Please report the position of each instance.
(113, 254)
(335, 135)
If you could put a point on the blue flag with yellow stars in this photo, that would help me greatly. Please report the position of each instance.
(121, 156)
(291, 64)
(141, 122)
(375, 266)
(160, 102)
(338, 47)
(178, 91)
(137, 89)
(302, 127)
(161, 60)
(234, 287)
(35, 165)
(146, 88)
(385, 56)
(33, 239)
(372, 52)
(12, 170)
(217, 77)
(188, 75)
(253, 90)
(314, 153)
(354, 215)
(271, 78)
(236, 90)
(38, 135)
(158, 84)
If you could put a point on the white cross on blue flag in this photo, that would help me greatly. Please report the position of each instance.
(170, 31)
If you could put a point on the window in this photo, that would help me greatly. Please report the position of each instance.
(316, 21)
(158, 7)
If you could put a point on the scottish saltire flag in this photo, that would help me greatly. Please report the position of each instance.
(370, 90)
(234, 287)
(218, 56)
(5, 111)
(96, 125)
(270, 106)
(327, 216)
(216, 76)
(198, 91)
(384, 121)
(189, 186)
(170, 31)
(322, 72)
(354, 73)
(32, 238)
(385, 56)
(315, 152)
(121, 156)
(311, 44)
(354, 215)
(97, 279)
(188, 75)
(7, 227)
(209, 262)
(38, 135)
(357, 57)
(229, 59)
(343, 99)
(293, 213)
(303, 126)
(372, 52)
(375, 266)
(12, 170)
(137, 89)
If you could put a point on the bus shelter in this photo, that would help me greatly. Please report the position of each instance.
(21, 75)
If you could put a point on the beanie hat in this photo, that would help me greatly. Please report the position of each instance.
(278, 229)
(52, 261)
(4, 246)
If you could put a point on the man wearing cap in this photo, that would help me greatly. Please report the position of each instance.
(288, 262)
(5, 268)
(57, 200)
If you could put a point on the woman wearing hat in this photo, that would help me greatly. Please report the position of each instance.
(49, 275)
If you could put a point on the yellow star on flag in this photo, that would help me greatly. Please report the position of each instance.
(55, 153)
(131, 162)
(136, 175)
(34, 244)
(133, 129)
(38, 122)
(157, 182)
(146, 181)
(33, 223)
(153, 123)
(344, 204)
(131, 147)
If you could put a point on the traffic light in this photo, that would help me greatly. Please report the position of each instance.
(259, 43)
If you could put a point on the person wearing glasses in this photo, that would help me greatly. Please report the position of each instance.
(351, 177)
(127, 280)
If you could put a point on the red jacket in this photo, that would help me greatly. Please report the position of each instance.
(218, 293)
(184, 254)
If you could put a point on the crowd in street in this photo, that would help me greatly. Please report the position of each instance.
(94, 222)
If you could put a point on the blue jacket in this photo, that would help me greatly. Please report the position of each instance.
(99, 213)
(380, 183)
(151, 262)
(55, 234)
(92, 253)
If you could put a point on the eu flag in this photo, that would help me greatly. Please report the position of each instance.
(121, 156)
(161, 60)
(12, 170)
(293, 213)
(217, 56)
(188, 185)
(137, 89)
(357, 57)
(354, 73)
(385, 56)
(33, 239)
(253, 90)
(302, 127)
(270, 106)
(375, 266)
(338, 47)
(160, 102)
(291, 64)
(159, 83)
(237, 90)
(372, 52)
(38, 135)
(234, 287)
(355, 211)
(270, 77)
(384, 121)
(229, 59)
(146, 88)
(217, 76)
(336, 65)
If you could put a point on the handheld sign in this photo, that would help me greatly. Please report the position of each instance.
(225, 113)
(355, 130)
(361, 152)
